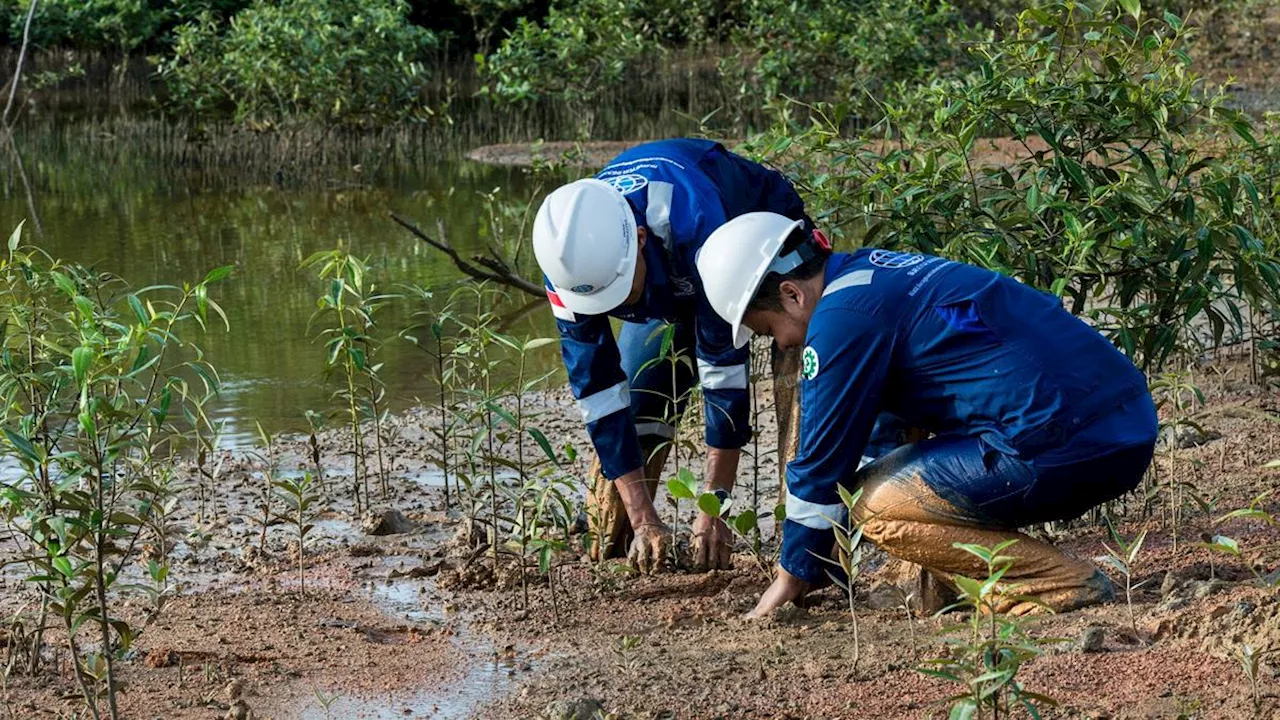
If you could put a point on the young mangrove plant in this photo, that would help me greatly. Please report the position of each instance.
(1124, 558)
(92, 382)
(315, 425)
(301, 507)
(1251, 664)
(990, 648)
(473, 371)
(1176, 392)
(683, 486)
(848, 560)
(429, 334)
(347, 308)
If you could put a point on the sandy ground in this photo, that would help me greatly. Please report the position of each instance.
(418, 624)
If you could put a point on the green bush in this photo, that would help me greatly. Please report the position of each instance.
(575, 55)
(849, 51)
(333, 62)
(1132, 191)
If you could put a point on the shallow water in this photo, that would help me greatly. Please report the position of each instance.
(123, 211)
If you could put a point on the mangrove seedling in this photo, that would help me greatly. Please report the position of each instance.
(1124, 558)
(684, 486)
(1251, 664)
(990, 648)
(300, 511)
(848, 559)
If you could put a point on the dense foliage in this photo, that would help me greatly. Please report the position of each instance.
(325, 61)
(1125, 184)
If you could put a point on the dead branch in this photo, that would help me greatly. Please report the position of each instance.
(480, 267)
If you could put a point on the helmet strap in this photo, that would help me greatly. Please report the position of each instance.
(784, 264)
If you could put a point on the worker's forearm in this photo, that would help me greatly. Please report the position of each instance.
(634, 491)
(722, 468)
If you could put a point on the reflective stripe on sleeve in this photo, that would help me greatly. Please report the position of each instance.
(729, 377)
(604, 403)
(853, 279)
(813, 515)
(658, 213)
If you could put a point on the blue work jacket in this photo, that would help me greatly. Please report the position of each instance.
(955, 350)
(680, 191)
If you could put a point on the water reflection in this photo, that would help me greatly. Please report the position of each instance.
(119, 210)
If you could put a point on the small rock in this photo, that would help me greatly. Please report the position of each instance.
(385, 522)
(363, 550)
(884, 596)
(580, 709)
(160, 657)
(1092, 639)
(1184, 436)
(1201, 589)
(239, 710)
(1169, 585)
(234, 690)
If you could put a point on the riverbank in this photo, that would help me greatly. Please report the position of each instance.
(417, 623)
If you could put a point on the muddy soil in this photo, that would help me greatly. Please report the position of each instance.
(419, 624)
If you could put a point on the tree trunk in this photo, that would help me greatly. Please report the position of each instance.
(786, 403)
(606, 515)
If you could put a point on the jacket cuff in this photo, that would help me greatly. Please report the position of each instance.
(616, 444)
(728, 418)
(799, 543)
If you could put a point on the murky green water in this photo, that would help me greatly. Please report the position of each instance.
(151, 222)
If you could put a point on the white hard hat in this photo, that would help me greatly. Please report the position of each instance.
(584, 238)
(736, 257)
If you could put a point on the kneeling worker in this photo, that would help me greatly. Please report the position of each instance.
(1035, 416)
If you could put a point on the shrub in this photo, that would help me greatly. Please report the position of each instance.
(1131, 189)
(333, 62)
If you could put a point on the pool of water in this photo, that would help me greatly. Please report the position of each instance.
(123, 211)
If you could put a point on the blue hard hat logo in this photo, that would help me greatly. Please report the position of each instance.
(582, 289)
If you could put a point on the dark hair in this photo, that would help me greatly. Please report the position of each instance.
(769, 295)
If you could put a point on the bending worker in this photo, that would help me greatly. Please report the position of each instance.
(622, 244)
(1035, 417)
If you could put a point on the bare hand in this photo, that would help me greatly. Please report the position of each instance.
(712, 543)
(650, 546)
(785, 588)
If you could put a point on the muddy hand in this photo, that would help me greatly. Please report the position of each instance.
(650, 546)
(712, 543)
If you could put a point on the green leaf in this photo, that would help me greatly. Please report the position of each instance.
(709, 504)
(15, 238)
(81, 360)
(745, 522)
(679, 490)
(22, 445)
(217, 274)
(1133, 7)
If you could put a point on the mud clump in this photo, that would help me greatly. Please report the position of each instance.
(580, 709)
(385, 522)
(1092, 639)
(161, 657)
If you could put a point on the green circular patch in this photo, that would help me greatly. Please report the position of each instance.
(809, 369)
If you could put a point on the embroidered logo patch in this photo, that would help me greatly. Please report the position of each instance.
(627, 184)
(891, 260)
(809, 364)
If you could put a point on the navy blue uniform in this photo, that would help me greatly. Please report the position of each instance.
(1021, 395)
(680, 191)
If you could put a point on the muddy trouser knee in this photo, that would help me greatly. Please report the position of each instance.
(921, 499)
